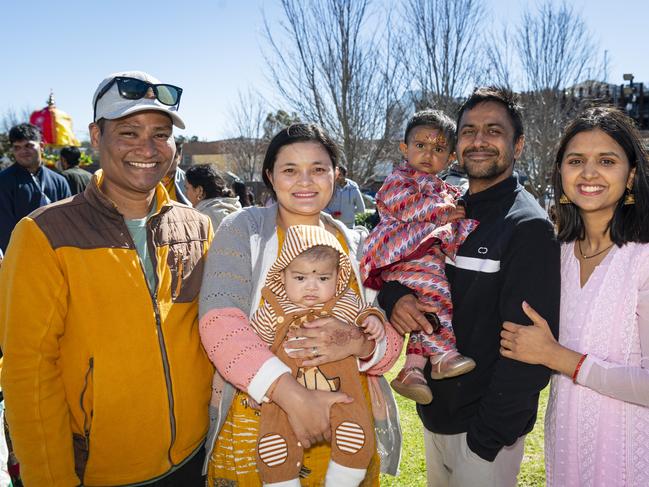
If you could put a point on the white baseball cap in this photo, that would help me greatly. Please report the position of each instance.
(111, 105)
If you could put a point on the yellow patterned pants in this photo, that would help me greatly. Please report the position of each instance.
(234, 458)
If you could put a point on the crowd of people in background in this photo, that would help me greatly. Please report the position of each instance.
(32, 184)
(44, 187)
(160, 327)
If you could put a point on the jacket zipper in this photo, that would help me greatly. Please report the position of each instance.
(86, 414)
(161, 342)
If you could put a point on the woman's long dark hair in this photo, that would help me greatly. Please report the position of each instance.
(630, 223)
(206, 177)
(241, 191)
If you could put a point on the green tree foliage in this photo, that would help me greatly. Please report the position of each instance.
(277, 121)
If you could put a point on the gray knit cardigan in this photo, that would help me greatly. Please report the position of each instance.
(244, 247)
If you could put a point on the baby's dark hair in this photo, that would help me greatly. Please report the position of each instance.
(435, 119)
(321, 252)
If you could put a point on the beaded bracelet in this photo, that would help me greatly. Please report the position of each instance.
(576, 372)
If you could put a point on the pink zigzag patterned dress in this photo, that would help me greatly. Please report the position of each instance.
(410, 243)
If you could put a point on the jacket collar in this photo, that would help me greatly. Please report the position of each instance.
(98, 199)
(494, 193)
(40, 172)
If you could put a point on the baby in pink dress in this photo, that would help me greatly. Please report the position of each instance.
(421, 225)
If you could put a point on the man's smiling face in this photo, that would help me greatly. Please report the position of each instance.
(135, 152)
(486, 146)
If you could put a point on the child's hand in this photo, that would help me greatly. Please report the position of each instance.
(458, 213)
(373, 327)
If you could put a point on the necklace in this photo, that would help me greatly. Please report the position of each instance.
(595, 254)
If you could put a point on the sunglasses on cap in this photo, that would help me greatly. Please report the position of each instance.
(134, 89)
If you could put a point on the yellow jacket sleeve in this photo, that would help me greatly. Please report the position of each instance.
(33, 306)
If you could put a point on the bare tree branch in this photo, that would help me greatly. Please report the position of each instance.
(13, 117)
(555, 47)
(501, 59)
(247, 145)
(441, 48)
(555, 50)
(340, 73)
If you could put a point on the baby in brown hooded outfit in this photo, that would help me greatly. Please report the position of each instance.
(310, 280)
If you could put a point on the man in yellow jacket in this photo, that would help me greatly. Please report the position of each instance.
(105, 379)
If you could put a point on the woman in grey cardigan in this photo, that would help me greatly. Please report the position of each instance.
(299, 169)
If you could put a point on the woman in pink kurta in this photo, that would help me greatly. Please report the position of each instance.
(597, 423)
(597, 430)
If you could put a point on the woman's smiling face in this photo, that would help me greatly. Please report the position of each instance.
(595, 172)
(303, 178)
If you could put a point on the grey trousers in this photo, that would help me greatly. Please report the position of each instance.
(450, 463)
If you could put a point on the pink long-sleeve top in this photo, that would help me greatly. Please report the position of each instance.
(244, 359)
(597, 431)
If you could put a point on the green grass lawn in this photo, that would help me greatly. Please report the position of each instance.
(413, 464)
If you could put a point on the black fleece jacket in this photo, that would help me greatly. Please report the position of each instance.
(513, 256)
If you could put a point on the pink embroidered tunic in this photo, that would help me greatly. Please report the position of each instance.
(597, 431)
(410, 244)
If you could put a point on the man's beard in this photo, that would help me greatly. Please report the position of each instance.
(491, 169)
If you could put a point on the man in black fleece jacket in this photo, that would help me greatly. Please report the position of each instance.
(476, 425)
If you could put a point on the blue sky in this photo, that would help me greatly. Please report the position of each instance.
(211, 48)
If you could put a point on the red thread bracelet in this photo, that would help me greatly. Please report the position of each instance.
(576, 372)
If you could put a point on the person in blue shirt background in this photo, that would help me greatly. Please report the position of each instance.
(347, 200)
(27, 184)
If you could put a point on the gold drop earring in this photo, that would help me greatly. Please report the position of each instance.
(629, 198)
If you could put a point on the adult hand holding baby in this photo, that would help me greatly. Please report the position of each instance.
(327, 340)
(408, 315)
(308, 411)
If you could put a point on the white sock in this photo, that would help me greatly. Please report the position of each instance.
(340, 476)
(285, 483)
